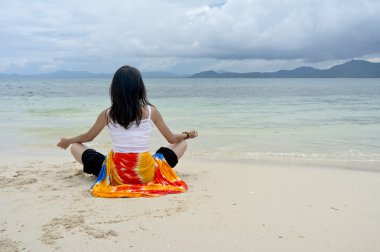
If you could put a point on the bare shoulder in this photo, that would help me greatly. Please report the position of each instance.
(103, 114)
(154, 113)
(153, 109)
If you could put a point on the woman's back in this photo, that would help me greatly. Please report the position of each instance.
(130, 170)
(135, 139)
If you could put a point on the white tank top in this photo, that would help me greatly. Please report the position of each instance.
(135, 139)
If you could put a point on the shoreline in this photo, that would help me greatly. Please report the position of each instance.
(64, 156)
(231, 205)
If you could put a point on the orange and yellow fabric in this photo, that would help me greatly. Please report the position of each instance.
(135, 175)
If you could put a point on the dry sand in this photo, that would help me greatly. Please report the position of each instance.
(245, 205)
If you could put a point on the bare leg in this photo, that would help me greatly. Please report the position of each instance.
(77, 150)
(179, 148)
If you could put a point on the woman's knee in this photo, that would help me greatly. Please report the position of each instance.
(75, 147)
(77, 150)
(179, 148)
(182, 144)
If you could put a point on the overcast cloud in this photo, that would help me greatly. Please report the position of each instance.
(185, 36)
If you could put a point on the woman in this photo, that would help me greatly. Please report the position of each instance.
(130, 170)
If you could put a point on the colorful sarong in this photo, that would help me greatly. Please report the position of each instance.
(135, 175)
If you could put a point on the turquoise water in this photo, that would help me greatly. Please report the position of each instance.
(335, 119)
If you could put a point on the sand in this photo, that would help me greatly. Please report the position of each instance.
(240, 205)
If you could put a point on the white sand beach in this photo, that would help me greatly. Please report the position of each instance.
(280, 165)
(275, 205)
(285, 97)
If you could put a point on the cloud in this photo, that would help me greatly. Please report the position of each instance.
(314, 31)
(158, 64)
(375, 60)
(164, 35)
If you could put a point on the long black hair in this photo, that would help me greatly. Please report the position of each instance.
(128, 97)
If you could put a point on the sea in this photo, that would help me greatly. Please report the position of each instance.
(313, 119)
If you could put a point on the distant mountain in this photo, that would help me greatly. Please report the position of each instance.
(59, 74)
(355, 68)
(72, 74)
(350, 69)
(84, 74)
(8, 75)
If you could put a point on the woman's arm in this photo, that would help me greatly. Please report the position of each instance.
(89, 135)
(166, 132)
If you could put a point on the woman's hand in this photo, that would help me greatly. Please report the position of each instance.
(64, 143)
(193, 133)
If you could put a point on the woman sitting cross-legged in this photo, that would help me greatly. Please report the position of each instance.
(130, 170)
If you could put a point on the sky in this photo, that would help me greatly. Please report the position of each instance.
(185, 37)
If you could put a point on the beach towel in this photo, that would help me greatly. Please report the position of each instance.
(135, 175)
